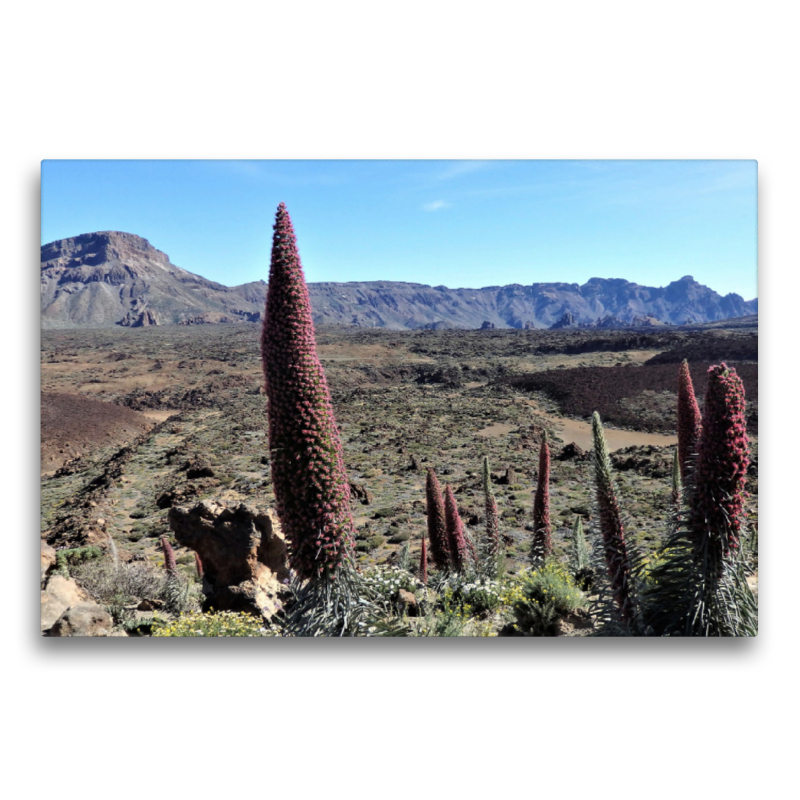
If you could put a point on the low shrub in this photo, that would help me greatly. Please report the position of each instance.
(118, 585)
(74, 557)
(469, 596)
(384, 582)
(366, 545)
(213, 624)
(540, 598)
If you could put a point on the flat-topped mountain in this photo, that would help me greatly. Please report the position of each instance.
(112, 278)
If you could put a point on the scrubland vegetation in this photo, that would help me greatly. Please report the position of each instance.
(557, 543)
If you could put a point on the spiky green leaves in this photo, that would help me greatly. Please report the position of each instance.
(699, 587)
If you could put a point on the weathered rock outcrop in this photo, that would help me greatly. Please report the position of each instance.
(59, 594)
(83, 619)
(48, 559)
(243, 551)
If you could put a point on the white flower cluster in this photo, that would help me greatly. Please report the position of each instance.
(387, 581)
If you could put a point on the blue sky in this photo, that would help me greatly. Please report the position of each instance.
(456, 223)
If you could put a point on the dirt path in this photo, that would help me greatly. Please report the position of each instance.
(573, 430)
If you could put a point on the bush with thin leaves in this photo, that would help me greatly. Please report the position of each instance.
(539, 598)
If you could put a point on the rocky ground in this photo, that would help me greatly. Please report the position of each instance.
(138, 421)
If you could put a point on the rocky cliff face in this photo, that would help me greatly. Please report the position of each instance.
(111, 278)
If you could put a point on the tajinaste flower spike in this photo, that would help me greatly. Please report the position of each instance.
(169, 557)
(311, 489)
(611, 529)
(542, 545)
(490, 510)
(677, 483)
(423, 563)
(689, 424)
(716, 504)
(459, 552)
(199, 564)
(437, 528)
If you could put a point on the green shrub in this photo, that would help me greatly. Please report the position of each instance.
(74, 557)
(369, 544)
(469, 596)
(385, 582)
(401, 536)
(213, 623)
(540, 598)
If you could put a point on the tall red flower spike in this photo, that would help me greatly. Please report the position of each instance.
(717, 498)
(689, 424)
(611, 529)
(437, 529)
(199, 564)
(423, 562)
(490, 509)
(542, 544)
(459, 552)
(308, 476)
(169, 557)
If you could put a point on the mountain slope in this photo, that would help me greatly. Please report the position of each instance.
(112, 278)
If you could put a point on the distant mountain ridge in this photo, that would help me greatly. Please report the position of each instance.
(111, 278)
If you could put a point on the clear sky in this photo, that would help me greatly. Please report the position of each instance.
(456, 223)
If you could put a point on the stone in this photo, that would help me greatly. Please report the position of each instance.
(59, 594)
(407, 603)
(243, 551)
(570, 451)
(360, 492)
(48, 559)
(198, 468)
(83, 619)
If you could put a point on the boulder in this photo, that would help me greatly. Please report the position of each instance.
(60, 594)
(83, 619)
(571, 451)
(360, 492)
(243, 552)
(407, 603)
(198, 467)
